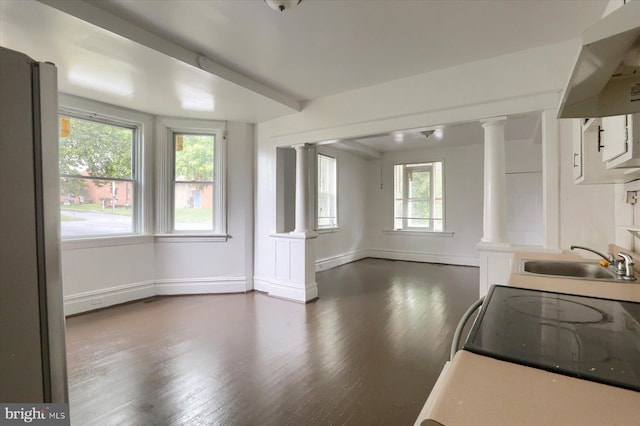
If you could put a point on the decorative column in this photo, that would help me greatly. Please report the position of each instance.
(302, 189)
(495, 190)
(295, 258)
(495, 252)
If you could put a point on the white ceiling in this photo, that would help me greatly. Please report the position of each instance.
(324, 47)
(319, 48)
(516, 128)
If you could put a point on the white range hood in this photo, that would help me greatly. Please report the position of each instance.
(606, 78)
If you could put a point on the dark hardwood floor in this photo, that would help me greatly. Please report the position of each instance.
(367, 352)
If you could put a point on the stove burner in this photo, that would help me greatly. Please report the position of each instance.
(579, 336)
(557, 309)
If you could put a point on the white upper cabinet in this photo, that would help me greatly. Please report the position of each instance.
(620, 136)
(613, 137)
(577, 150)
(588, 166)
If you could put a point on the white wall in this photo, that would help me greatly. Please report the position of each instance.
(523, 156)
(523, 161)
(97, 276)
(463, 181)
(347, 243)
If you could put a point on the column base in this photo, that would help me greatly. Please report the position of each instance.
(295, 267)
(293, 291)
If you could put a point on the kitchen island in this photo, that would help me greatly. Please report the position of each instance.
(480, 390)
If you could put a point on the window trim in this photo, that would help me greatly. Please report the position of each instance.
(419, 165)
(166, 128)
(143, 124)
(336, 226)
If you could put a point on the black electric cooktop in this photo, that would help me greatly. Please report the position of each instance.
(585, 337)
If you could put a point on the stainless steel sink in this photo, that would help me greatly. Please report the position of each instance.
(566, 269)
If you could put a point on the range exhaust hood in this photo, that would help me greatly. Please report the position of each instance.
(606, 78)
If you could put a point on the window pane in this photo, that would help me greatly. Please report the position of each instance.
(419, 223)
(193, 206)
(193, 188)
(96, 149)
(419, 184)
(327, 192)
(95, 207)
(419, 213)
(194, 157)
(90, 205)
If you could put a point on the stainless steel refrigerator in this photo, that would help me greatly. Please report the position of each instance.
(32, 340)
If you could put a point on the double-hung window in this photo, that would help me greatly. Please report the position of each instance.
(327, 213)
(419, 197)
(98, 176)
(193, 186)
(191, 199)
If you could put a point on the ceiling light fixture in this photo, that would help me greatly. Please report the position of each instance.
(437, 133)
(398, 137)
(282, 5)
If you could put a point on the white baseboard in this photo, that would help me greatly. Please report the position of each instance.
(286, 290)
(423, 257)
(97, 299)
(201, 286)
(341, 259)
(91, 300)
(293, 292)
(261, 284)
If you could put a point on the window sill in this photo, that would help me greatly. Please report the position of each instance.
(328, 230)
(110, 241)
(191, 238)
(413, 233)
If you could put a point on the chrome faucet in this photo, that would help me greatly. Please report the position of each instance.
(622, 267)
(628, 266)
(610, 258)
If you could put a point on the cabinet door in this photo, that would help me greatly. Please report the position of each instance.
(577, 149)
(614, 137)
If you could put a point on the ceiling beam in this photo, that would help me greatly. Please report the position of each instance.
(358, 149)
(117, 25)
